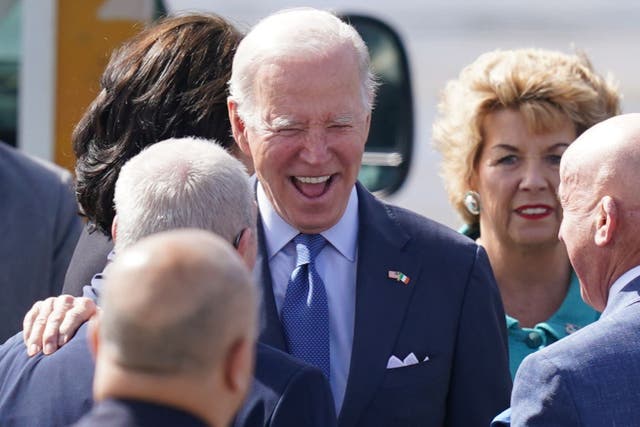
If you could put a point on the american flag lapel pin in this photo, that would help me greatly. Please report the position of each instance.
(399, 276)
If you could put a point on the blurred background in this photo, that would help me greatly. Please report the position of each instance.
(52, 53)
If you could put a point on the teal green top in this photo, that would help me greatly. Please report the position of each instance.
(572, 315)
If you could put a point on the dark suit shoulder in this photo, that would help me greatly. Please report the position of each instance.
(286, 391)
(426, 228)
(582, 372)
(32, 173)
(436, 245)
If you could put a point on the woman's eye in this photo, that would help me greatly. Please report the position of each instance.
(554, 159)
(507, 160)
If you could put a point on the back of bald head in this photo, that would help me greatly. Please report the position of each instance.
(604, 160)
(165, 293)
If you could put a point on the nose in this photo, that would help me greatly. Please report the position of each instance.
(534, 178)
(315, 146)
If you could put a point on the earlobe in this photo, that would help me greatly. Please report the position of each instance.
(607, 221)
(247, 247)
(368, 127)
(238, 127)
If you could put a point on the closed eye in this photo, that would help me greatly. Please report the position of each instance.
(288, 131)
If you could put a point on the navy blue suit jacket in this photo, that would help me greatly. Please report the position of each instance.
(56, 390)
(589, 378)
(53, 390)
(450, 311)
(286, 392)
(39, 227)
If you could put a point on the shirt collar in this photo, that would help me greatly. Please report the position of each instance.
(622, 281)
(342, 236)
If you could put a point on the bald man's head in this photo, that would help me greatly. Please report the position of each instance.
(599, 174)
(168, 291)
(606, 156)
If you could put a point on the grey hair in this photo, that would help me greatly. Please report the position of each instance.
(175, 302)
(294, 33)
(182, 183)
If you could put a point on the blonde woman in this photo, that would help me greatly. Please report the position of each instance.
(503, 126)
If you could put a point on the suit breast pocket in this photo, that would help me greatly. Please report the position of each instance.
(410, 396)
(418, 374)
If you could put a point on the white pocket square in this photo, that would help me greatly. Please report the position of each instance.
(411, 359)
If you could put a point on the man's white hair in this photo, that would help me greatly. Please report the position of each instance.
(294, 33)
(182, 183)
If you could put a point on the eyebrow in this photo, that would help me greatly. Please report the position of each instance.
(346, 119)
(512, 148)
(283, 121)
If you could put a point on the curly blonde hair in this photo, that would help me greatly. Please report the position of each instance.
(545, 86)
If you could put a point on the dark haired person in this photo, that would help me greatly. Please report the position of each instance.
(167, 82)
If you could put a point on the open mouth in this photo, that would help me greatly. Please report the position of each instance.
(312, 186)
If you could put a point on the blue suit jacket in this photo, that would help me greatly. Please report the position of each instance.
(590, 378)
(53, 390)
(56, 390)
(39, 226)
(286, 392)
(450, 310)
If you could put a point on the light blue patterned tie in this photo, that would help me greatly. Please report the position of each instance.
(305, 313)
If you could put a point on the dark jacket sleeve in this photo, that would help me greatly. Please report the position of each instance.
(481, 382)
(307, 401)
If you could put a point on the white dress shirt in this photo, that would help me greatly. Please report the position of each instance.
(336, 265)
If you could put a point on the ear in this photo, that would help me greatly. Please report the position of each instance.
(93, 334)
(114, 228)
(367, 127)
(606, 222)
(238, 127)
(248, 247)
(239, 365)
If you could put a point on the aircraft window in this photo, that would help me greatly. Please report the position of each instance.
(388, 151)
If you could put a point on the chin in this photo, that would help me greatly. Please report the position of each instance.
(537, 240)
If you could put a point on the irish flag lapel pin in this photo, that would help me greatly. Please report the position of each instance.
(399, 276)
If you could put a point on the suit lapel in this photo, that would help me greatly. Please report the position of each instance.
(271, 332)
(380, 301)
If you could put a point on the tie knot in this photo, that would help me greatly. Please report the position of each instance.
(308, 246)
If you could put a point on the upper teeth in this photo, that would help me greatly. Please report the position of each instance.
(313, 179)
(534, 211)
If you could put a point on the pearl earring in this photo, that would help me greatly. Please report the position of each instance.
(471, 201)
